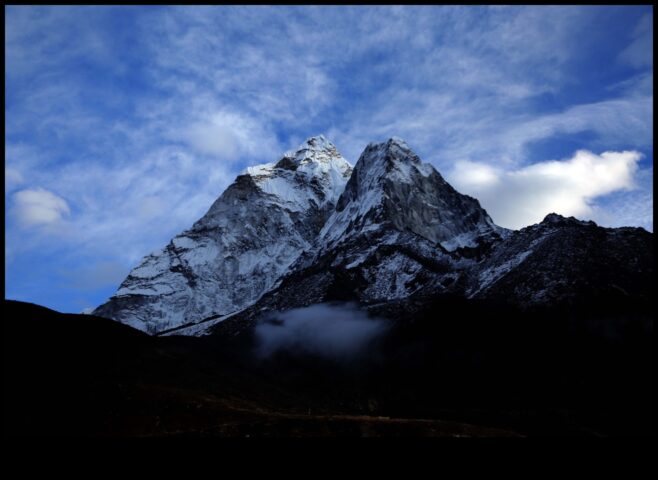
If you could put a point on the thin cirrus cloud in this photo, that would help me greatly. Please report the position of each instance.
(519, 197)
(640, 53)
(227, 136)
(138, 118)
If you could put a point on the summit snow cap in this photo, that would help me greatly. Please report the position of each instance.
(395, 155)
(399, 142)
(318, 142)
(392, 190)
(313, 147)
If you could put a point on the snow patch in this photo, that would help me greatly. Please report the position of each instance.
(491, 275)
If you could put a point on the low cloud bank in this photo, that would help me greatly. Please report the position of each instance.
(329, 330)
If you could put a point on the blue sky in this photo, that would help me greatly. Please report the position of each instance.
(123, 124)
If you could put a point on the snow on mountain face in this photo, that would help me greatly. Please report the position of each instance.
(392, 198)
(397, 230)
(556, 263)
(296, 232)
(564, 260)
(240, 247)
(316, 163)
(390, 186)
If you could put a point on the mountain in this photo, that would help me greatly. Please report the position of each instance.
(398, 228)
(314, 299)
(401, 236)
(391, 189)
(566, 261)
(390, 234)
(240, 247)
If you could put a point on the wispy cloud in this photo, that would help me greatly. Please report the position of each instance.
(640, 52)
(228, 136)
(124, 209)
(13, 178)
(138, 118)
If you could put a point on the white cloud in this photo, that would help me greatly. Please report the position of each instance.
(524, 196)
(148, 199)
(35, 207)
(328, 330)
(628, 207)
(213, 138)
(472, 175)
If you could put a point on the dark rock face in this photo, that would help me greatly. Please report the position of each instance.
(562, 268)
(566, 260)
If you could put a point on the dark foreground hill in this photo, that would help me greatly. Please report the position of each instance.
(458, 368)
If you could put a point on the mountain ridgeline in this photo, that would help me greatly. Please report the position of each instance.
(389, 234)
(319, 299)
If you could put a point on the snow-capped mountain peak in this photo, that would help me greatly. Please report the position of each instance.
(317, 143)
(315, 150)
(297, 231)
(316, 161)
(394, 159)
(240, 247)
(392, 188)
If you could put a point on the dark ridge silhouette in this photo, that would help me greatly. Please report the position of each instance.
(453, 367)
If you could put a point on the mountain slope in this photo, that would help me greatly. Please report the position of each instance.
(565, 260)
(392, 238)
(398, 229)
(391, 188)
(401, 236)
(240, 247)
